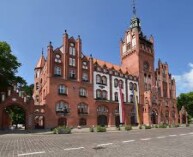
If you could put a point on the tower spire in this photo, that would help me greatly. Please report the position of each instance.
(134, 8)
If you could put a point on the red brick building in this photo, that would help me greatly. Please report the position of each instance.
(80, 90)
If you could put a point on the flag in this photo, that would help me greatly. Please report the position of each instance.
(136, 106)
(121, 106)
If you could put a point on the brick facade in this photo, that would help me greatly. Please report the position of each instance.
(81, 90)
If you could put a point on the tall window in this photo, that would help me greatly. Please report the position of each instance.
(72, 50)
(84, 77)
(57, 71)
(37, 86)
(135, 86)
(98, 79)
(116, 82)
(62, 89)
(82, 92)
(121, 84)
(98, 94)
(104, 95)
(72, 74)
(104, 80)
(131, 98)
(131, 86)
(82, 108)
(62, 107)
(116, 96)
(72, 62)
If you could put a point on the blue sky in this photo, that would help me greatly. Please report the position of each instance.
(28, 26)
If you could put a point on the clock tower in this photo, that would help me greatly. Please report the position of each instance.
(137, 55)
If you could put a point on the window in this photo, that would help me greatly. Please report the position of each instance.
(62, 107)
(135, 86)
(98, 79)
(104, 80)
(72, 74)
(116, 96)
(57, 71)
(37, 86)
(72, 62)
(58, 58)
(72, 50)
(131, 98)
(98, 94)
(121, 84)
(82, 92)
(62, 89)
(84, 77)
(84, 65)
(102, 109)
(115, 82)
(104, 95)
(131, 86)
(82, 108)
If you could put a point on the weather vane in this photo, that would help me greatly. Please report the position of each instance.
(134, 8)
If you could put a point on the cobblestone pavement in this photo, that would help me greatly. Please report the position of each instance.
(175, 142)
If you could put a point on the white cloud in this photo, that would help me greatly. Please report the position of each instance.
(184, 82)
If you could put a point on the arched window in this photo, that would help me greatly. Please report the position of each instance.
(135, 86)
(116, 96)
(98, 94)
(62, 89)
(98, 79)
(104, 80)
(121, 84)
(115, 82)
(102, 110)
(82, 108)
(57, 71)
(72, 50)
(62, 107)
(82, 92)
(104, 94)
(131, 86)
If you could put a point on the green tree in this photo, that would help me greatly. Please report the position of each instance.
(8, 66)
(16, 114)
(28, 89)
(186, 100)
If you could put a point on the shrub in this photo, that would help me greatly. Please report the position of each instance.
(163, 126)
(101, 129)
(187, 125)
(128, 127)
(140, 127)
(62, 130)
(156, 126)
(177, 125)
(147, 127)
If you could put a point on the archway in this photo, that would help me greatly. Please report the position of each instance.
(183, 119)
(102, 120)
(154, 119)
(14, 117)
(117, 121)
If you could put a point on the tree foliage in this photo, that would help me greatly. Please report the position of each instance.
(186, 100)
(8, 66)
(16, 114)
